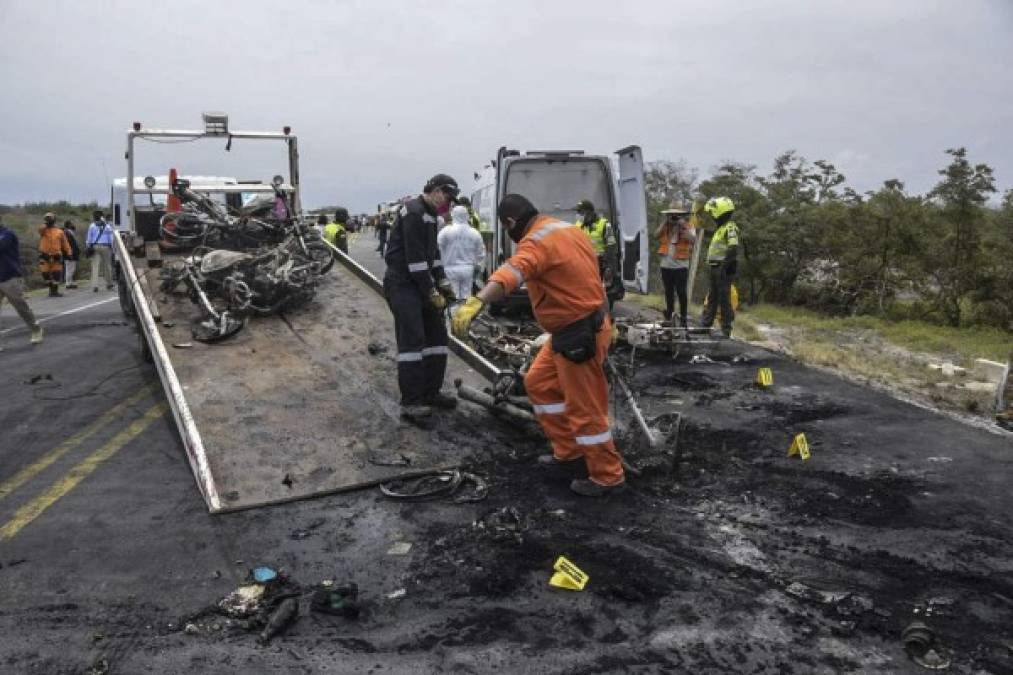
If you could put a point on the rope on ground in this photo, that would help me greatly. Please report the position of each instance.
(91, 391)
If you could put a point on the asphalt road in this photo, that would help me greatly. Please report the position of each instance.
(107, 552)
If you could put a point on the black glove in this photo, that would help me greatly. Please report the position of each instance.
(731, 267)
(446, 290)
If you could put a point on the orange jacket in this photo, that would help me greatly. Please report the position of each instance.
(560, 267)
(683, 247)
(53, 242)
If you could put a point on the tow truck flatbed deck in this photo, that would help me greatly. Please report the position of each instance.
(292, 406)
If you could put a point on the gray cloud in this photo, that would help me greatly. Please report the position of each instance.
(383, 94)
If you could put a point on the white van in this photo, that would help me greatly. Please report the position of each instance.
(554, 181)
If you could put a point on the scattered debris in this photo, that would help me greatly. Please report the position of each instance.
(435, 485)
(283, 616)
(397, 459)
(701, 358)
(287, 481)
(243, 601)
(502, 524)
(35, 379)
(921, 646)
(400, 548)
(397, 595)
(182, 345)
(376, 348)
(308, 530)
(340, 601)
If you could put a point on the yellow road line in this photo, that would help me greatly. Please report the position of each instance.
(29, 472)
(33, 509)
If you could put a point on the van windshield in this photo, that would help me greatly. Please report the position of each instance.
(555, 186)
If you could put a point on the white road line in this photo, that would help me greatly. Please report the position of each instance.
(57, 316)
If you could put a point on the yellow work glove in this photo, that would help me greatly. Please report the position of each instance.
(466, 313)
(437, 300)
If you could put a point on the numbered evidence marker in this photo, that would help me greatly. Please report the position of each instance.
(765, 377)
(568, 576)
(800, 447)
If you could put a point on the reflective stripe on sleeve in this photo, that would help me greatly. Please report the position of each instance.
(418, 267)
(426, 218)
(409, 356)
(603, 437)
(516, 272)
(548, 408)
(435, 351)
(437, 263)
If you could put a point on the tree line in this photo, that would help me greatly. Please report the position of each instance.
(810, 240)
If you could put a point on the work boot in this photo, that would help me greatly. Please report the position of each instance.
(726, 331)
(569, 466)
(54, 291)
(94, 289)
(441, 400)
(36, 335)
(588, 488)
(71, 286)
(416, 412)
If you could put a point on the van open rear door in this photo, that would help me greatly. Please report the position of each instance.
(633, 218)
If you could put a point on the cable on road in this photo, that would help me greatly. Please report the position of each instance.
(435, 485)
(91, 391)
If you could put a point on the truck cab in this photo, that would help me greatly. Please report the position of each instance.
(555, 181)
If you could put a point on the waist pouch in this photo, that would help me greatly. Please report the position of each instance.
(577, 342)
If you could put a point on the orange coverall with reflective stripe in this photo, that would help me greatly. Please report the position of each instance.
(560, 267)
(52, 243)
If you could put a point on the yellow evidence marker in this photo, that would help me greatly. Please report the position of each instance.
(568, 576)
(800, 447)
(765, 377)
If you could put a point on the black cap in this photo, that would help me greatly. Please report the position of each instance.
(96, 214)
(444, 182)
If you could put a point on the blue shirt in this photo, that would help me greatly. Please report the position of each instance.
(10, 255)
(94, 239)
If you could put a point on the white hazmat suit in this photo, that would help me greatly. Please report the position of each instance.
(461, 248)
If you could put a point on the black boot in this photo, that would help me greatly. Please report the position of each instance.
(54, 291)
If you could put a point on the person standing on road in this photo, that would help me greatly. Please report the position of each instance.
(722, 261)
(70, 262)
(566, 382)
(382, 229)
(99, 247)
(53, 247)
(461, 249)
(676, 237)
(417, 290)
(337, 232)
(12, 285)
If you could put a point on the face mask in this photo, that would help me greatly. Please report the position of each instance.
(515, 233)
(443, 210)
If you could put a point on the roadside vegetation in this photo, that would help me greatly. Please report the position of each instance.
(26, 219)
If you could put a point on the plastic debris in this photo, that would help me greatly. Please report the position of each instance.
(800, 447)
(701, 358)
(243, 601)
(264, 574)
(282, 617)
(568, 576)
(400, 548)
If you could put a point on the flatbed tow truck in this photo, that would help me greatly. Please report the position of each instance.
(295, 405)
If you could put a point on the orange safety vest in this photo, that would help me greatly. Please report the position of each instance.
(560, 267)
(683, 247)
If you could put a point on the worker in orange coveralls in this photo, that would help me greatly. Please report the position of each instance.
(566, 382)
(53, 248)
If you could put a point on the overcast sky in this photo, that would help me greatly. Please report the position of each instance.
(382, 94)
